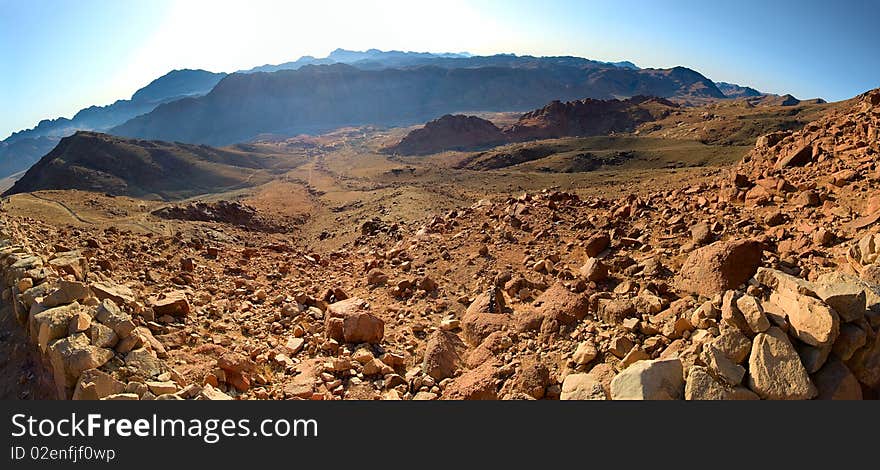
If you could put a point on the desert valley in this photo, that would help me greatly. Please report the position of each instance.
(405, 226)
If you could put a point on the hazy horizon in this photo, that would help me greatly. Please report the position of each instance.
(68, 55)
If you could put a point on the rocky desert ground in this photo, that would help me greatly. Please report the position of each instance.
(696, 256)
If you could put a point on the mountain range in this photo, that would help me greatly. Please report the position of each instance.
(350, 88)
(317, 98)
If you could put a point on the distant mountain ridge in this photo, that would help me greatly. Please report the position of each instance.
(374, 59)
(317, 98)
(732, 90)
(541, 79)
(171, 86)
(21, 149)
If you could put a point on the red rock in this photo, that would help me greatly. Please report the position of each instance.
(478, 384)
(171, 303)
(597, 244)
(719, 267)
(358, 324)
(800, 156)
(485, 316)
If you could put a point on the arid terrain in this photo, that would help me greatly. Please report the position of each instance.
(720, 251)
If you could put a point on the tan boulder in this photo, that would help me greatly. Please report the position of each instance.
(582, 387)
(660, 379)
(73, 355)
(775, 370)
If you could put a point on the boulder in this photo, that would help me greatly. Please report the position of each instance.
(51, 324)
(358, 325)
(733, 344)
(109, 314)
(865, 363)
(701, 385)
(615, 311)
(531, 379)
(775, 369)
(660, 379)
(484, 316)
(722, 366)
(66, 292)
(811, 320)
(145, 363)
(597, 244)
(585, 353)
(594, 270)
(752, 313)
(171, 303)
(834, 381)
(73, 355)
(851, 339)
(719, 267)
(443, 355)
(95, 384)
(848, 299)
(71, 262)
(120, 295)
(800, 156)
(582, 387)
(478, 384)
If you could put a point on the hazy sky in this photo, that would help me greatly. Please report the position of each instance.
(57, 56)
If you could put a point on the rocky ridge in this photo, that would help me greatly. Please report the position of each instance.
(580, 118)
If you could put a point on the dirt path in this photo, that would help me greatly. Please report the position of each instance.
(65, 206)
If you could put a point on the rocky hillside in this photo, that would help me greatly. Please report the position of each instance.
(588, 117)
(319, 98)
(108, 164)
(450, 132)
(581, 118)
(760, 282)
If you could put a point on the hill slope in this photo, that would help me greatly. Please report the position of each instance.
(98, 162)
(317, 98)
(579, 118)
(20, 150)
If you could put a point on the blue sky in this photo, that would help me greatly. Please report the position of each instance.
(57, 56)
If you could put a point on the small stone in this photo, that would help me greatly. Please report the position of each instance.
(620, 346)
(161, 388)
(376, 277)
(294, 345)
(594, 270)
(585, 353)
